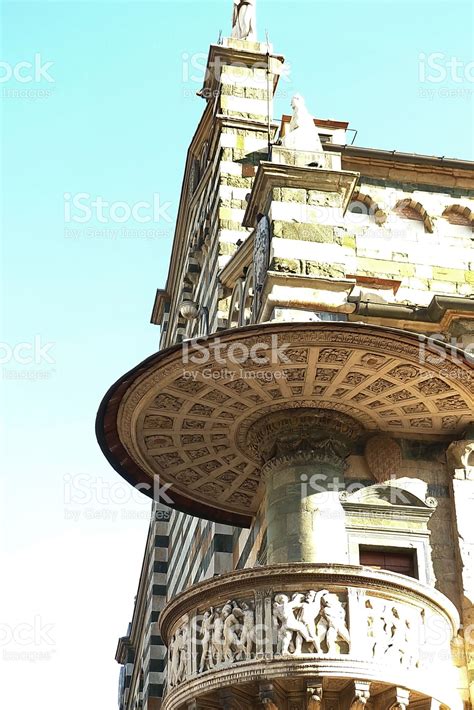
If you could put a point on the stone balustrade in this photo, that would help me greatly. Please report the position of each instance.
(331, 622)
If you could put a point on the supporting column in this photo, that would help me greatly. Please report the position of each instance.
(304, 452)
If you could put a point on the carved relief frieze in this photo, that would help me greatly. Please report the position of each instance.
(311, 622)
(227, 634)
(381, 630)
(178, 658)
(394, 632)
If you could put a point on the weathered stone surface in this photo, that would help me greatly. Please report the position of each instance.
(314, 268)
(304, 232)
(289, 266)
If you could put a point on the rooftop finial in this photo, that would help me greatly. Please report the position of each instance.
(244, 20)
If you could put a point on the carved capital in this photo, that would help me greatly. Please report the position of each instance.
(322, 433)
(325, 451)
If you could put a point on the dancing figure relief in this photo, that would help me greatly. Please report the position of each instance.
(315, 618)
(227, 635)
(393, 633)
(178, 665)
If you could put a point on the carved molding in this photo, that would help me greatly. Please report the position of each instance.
(327, 433)
(324, 451)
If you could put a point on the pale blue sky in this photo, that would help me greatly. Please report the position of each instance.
(116, 125)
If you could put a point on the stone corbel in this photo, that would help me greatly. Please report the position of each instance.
(356, 695)
(361, 695)
(395, 698)
(314, 694)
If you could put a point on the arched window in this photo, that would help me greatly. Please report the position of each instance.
(248, 308)
(235, 306)
(362, 209)
(204, 157)
(410, 209)
(460, 219)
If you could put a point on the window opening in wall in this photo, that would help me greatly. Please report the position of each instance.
(393, 560)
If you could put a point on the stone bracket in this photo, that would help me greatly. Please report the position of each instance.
(314, 693)
(395, 698)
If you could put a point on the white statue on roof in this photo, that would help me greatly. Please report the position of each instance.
(301, 133)
(244, 20)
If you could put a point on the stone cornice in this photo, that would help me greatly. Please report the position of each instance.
(302, 668)
(273, 175)
(247, 54)
(406, 167)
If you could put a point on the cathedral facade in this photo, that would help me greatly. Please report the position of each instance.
(305, 429)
